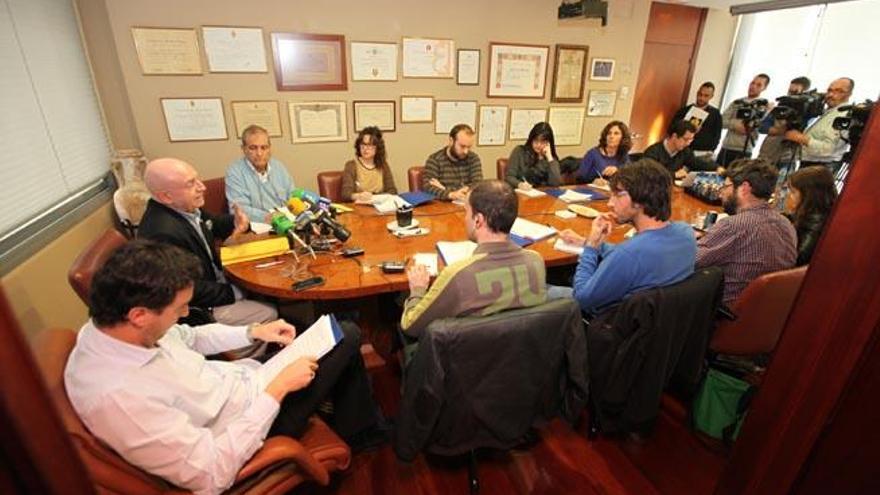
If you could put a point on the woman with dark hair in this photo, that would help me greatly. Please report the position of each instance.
(811, 194)
(535, 163)
(369, 172)
(611, 154)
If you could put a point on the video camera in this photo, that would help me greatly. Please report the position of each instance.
(853, 123)
(751, 112)
(797, 110)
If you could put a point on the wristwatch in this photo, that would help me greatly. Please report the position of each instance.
(250, 333)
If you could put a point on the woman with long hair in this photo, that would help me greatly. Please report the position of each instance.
(612, 153)
(369, 172)
(535, 163)
(811, 194)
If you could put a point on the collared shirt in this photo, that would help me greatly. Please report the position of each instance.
(195, 220)
(167, 409)
(826, 145)
(257, 193)
(753, 242)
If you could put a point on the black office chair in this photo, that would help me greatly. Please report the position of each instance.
(483, 382)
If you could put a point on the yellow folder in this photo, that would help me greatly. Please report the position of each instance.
(253, 250)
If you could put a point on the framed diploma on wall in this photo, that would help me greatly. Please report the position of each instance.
(167, 51)
(416, 109)
(194, 119)
(423, 57)
(569, 71)
(374, 113)
(262, 113)
(468, 67)
(318, 121)
(451, 113)
(373, 61)
(523, 119)
(567, 124)
(493, 125)
(234, 49)
(517, 71)
(309, 62)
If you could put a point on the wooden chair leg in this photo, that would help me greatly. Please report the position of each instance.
(473, 479)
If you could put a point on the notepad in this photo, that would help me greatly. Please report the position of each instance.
(255, 250)
(531, 230)
(531, 193)
(561, 245)
(389, 204)
(455, 251)
(572, 196)
(317, 340)
(429, 260)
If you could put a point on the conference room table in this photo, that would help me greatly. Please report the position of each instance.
(360, 276)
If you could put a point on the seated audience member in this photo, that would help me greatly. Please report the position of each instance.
(673, 152)
(708, 130)
(369, 173)
(811, 195)
(453, 170)
(499, 275)
(141, 384)
(535, 163)
(755, 239)
(661, 253)
(173, 216)
(256, 182)
(604, 160)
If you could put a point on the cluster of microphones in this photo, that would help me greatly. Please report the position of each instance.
(311, 215)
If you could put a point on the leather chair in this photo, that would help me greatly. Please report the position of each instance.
(501, 165)
(761, 312)
(457, 397)
(90, 260)
(330, 185)
(414, 176)
(281, 464)
(215, 196)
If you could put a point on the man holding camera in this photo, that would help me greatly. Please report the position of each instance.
(821, 143)
(741, 133)
(774, 148)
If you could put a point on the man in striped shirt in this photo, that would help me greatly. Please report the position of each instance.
(755, 239)
(453, 170)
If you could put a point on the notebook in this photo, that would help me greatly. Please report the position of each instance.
(455, 251)
(531, 230)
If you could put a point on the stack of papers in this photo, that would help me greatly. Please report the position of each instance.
(531, 230)
(255, 250)
(531, 193)
(565, 247)
(452, 252)
(316, 341)
(429, 260)
(388, 203)
(572, 196)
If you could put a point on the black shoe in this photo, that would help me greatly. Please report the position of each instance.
(371, 438)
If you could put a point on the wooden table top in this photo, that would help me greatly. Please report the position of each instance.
(361, 276)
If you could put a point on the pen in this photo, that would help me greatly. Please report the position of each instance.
(267, 265)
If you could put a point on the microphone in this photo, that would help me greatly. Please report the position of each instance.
(296, 205)
(305, 195)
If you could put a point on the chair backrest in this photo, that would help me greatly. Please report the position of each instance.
(761, 311)
(91, 259)
(483, 381)
(414, 177)
(107, 470)
(330, 185)
(501, 165)
(215, 196)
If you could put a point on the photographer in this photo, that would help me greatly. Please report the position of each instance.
(821, 144)
(741, 134)
(772, 149)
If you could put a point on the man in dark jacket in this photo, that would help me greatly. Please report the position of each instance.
(173, 216)
(708, 126)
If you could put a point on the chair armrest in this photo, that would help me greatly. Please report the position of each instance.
(281, 448)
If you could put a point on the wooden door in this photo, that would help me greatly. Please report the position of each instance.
(671, 43)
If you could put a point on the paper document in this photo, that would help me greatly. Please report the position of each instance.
(455, 251)
(260, 228)
(572, 196)
(429, 260)
(565, 247)
(317, 340)
(389, 203)
(531, 193)
(696, 116)
(531, 230)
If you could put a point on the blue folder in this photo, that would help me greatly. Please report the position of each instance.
(416, 198)
(521, 241)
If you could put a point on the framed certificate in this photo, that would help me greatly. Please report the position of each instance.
(416, 108)
(523, 119)
(424, 57)
(567, 124)
(451, 113)
(602, 69)
(167, 51)
(374, 113)
(262, 113)
(517, 71)
(194, 119)
(569, 71)
(493, 125)
(373, 61)
(309, 62)
(234, 49)
(468, 67)
(318, 121)
(601, 103)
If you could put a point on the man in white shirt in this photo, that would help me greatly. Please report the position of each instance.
(142, 385)
(821, 143)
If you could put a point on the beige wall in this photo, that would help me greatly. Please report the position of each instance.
(713, 58)
(471, 24)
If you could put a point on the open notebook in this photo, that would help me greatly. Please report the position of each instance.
(317, 340)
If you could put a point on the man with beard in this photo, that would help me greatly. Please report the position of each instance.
(470, 286)
(738, 141)
(755, 239)
(661, 253)
(821, 143)
(709, 130)
(453, 170)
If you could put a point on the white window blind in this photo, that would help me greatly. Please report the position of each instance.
(55, 141)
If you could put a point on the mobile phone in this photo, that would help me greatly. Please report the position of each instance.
(352, 251)
(393, 266)
(308, 283)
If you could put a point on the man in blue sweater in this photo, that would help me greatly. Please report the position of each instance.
(661, 253)
(256, 182)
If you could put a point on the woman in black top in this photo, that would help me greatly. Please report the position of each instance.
(535, 163)
(811, 194)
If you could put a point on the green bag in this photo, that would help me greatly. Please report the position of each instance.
(721, 405)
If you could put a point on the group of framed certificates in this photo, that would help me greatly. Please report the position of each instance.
(316, 62)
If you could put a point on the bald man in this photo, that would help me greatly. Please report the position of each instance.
(821, 143)
(173, 216)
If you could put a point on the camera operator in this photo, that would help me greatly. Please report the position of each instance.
(739, 140)
(821, 144)
(772, 149)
